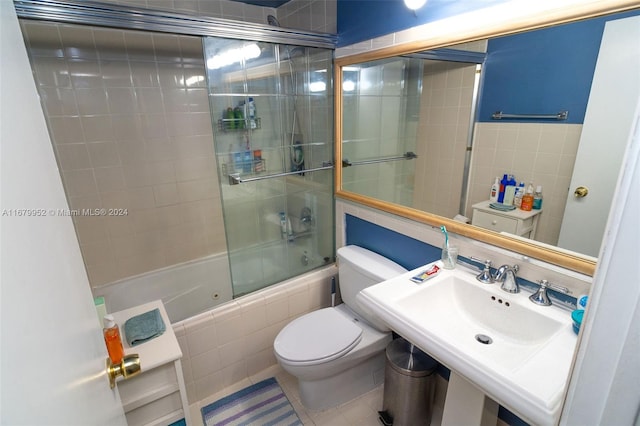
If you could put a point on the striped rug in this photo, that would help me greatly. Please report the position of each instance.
(261, 404)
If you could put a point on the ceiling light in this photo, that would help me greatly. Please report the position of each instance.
(414, 4)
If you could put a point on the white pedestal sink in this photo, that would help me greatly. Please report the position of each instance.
(517, 353)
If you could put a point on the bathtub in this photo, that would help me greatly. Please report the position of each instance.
(186, 289)
(190, 288)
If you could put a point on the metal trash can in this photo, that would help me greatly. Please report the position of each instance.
(409, 385)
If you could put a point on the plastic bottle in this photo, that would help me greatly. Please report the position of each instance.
(239, 117)
(503, 185)
(517, 199)
(113, 340)
(527, 199)
(537, 198)
(251, 113)
(283, 225)
(230, 124)
(495, 188)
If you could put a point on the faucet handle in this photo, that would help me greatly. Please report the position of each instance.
(484, 276)
(540, 297)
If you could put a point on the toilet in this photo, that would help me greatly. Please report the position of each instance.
(337, 353)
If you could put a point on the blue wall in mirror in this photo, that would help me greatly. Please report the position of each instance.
(543, 71)
(537, 72)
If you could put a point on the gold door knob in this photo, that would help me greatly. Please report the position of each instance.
(128, 367)
(581, 192)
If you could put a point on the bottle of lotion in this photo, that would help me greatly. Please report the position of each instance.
(495, 189)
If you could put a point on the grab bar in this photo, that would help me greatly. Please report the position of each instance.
(406, 156)
(234, 178)
(562, 115)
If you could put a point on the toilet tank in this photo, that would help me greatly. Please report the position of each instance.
(359, 268)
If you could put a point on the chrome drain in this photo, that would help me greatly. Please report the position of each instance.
(484, 339)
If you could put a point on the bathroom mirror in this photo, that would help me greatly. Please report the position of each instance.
(403, 166)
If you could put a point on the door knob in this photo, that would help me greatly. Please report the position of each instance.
(581, 192)
(128, 367)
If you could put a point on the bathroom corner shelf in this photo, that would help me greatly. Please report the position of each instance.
(158, 394)
(238, 124)
(258, 167)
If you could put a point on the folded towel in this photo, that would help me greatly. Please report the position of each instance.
(143, 327)
(502, 207)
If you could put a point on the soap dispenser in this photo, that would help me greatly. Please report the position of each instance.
(113, 340)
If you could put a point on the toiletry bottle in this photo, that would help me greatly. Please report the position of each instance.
(527, 199)
(495, 188)
(251, 113)
(503, 185)
(257, 160)
(283, 225)
(537, 198)
(517, 199)
(113, 340)
(230, 118)
(239, 117)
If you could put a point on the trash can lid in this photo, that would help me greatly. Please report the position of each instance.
(408, 359)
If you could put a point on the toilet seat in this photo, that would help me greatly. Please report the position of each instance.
(317, 337)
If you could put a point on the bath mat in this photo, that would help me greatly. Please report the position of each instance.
(261, 404)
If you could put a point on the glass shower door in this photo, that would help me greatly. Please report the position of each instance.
(272, 113)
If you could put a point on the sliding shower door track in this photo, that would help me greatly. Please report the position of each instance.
(133, 18)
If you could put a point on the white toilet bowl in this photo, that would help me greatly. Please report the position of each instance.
(337, 354)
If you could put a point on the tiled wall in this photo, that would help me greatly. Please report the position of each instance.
(235, 341)
(447, 95)
(534, 152)
(129, 117)
(314, 15)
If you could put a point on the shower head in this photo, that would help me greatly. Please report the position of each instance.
(273, 21)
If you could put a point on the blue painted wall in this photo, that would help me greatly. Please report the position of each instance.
(405, 251)
(543, 71)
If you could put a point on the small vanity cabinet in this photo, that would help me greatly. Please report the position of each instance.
(517, 222)
(157, 396)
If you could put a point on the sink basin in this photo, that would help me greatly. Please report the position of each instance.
(516, 352)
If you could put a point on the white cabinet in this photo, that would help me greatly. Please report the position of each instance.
(517, 222)
(157, 396)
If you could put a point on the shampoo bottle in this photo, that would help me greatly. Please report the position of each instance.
(251, 113)
(495, 188)
(537, 198)
(503, 185)
(113, 340)
(283, 225)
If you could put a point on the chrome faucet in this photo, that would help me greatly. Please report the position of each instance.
(540, 297)
(306, 220)
(484, 276)
(507, 274)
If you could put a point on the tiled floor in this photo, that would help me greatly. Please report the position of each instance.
(362, 411)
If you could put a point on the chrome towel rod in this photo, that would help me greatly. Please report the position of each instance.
(562, 115)
(406, 156)
(235, 178)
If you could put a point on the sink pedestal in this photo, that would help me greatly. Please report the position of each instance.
(465, 404)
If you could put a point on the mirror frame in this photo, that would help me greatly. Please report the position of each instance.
(441, 34)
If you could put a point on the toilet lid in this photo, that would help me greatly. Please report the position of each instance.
(319, 336)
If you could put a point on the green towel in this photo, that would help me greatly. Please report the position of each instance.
(502, 207)
(143, 327)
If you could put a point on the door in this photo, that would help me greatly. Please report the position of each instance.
(605, 133)
(53, 356)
